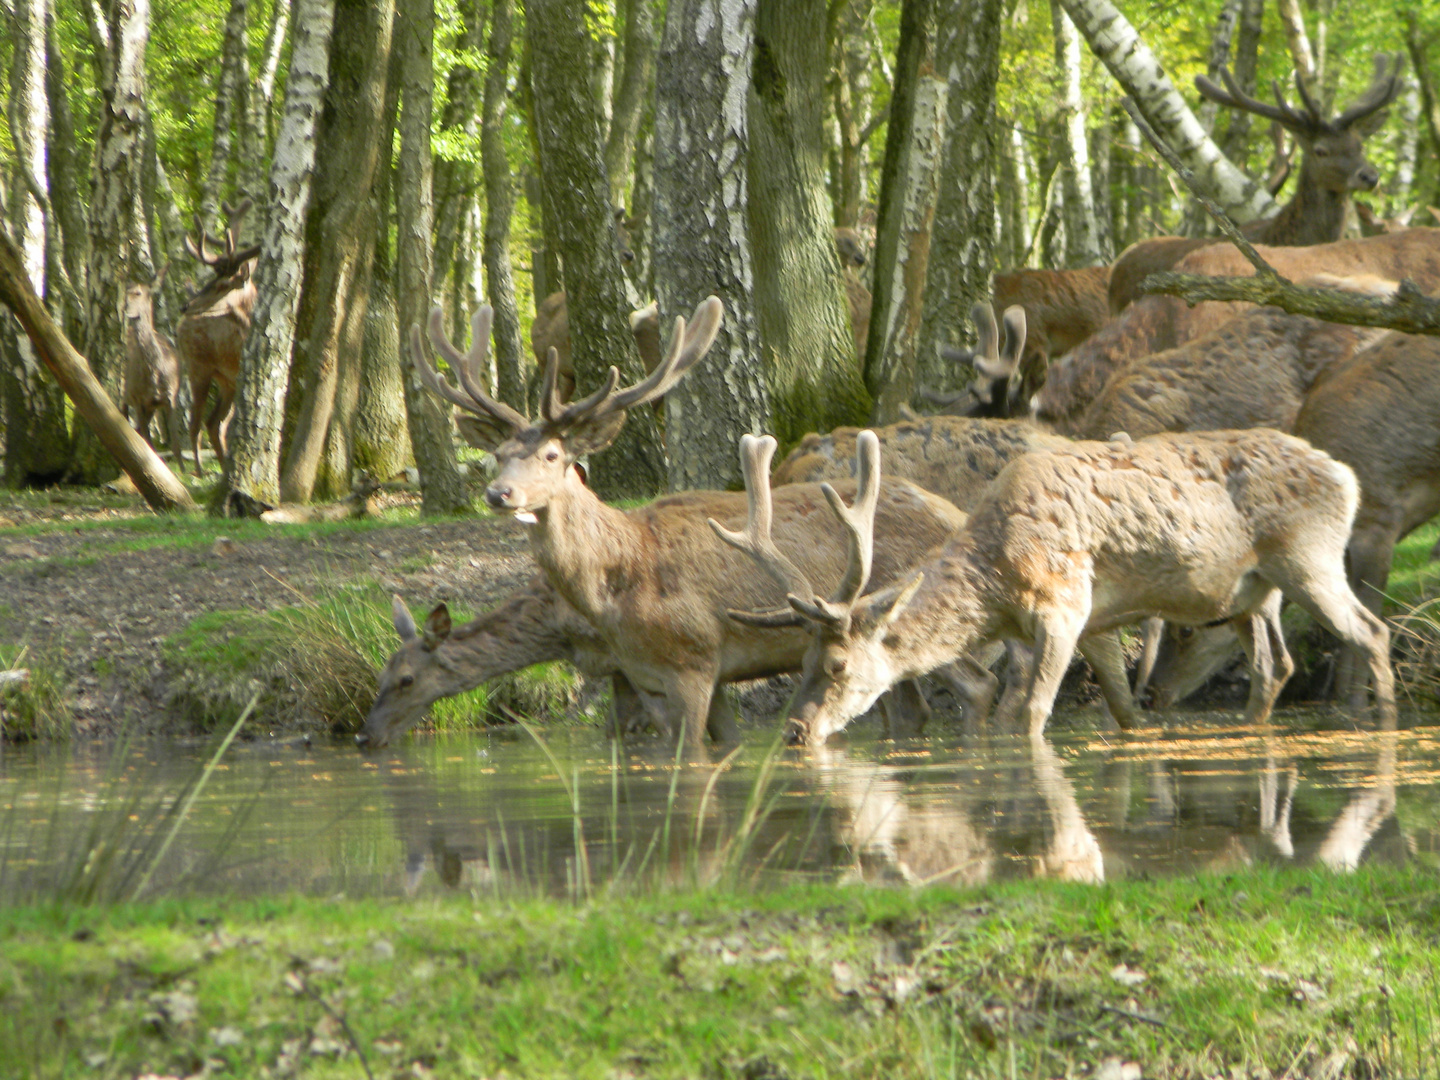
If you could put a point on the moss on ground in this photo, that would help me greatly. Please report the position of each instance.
(1262, 974)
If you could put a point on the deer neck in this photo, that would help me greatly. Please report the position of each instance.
(590, 552)
(514, 636)
(1315, 215)
(950, 613)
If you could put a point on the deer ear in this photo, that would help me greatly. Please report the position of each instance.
(404, 621)
(590, 436)
(1369, 124)
(480, 431)
(889, 605)
(437, 626)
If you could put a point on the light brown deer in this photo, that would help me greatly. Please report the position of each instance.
(1379, 413)
(654, 582)
(152, 370)
(1332, 167)
(1193, 528)
(212, 331)
(1163, 322)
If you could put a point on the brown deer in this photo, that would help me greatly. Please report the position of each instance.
(551, 330)
(212, 331)
(1379, 413)
(152, 370)
(654, 582)
(1193, 528)
(1163, 322)
(1332, 168)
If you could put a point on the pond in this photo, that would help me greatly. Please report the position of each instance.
(564, 812)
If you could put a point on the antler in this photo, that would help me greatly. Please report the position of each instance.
(859, 520)
(1384, 88)
(467, 369)
(686, 348)
(1281, 112)
(755, 540)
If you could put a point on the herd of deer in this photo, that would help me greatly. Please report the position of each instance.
(209, 339)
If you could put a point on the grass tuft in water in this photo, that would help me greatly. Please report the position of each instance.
(39, 706)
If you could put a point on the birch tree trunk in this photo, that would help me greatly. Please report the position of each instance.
(909, 190)
(1235, 145)
(1293, 20)
(631, 97)
(255, 135)
(340, 247)
(499, 197)
(441, 485)
(1407, 145)
(852, 102)
(252, 468)
(230, 91)
(37, 444)
(118, 244)
(66, 180)
(962, 243)
(815, 380)
(700, 238)
(1119, 47)
(577, 199)
(1083, 246)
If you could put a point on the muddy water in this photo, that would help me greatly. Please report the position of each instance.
(500, 812)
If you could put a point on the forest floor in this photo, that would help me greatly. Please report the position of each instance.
(148, 623)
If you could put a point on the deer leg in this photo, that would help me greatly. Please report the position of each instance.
(1107, 660)
(218, 422)
(199, 393)
(1017, 683)
(1327, 596)
(721, 722)
(1372, 546)
(1151, 632)
(685, 708)
(1257, 641)
(1057, 634)
(627, 709)
(905, 710)
(972, 683)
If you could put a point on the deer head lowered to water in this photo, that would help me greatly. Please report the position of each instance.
(1193, 528)
(654, 582)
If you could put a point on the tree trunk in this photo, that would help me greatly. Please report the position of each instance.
(816, 382)
(700, 243)
(909, 190)
(1407, 145)
(158, 485)
(1247, 61)
(499, 198)
(380, 434)
(455, 178)
(1293, 20)
(852, 105)
(577, 198)
(66, 176)
(631, 96)
(1082, 231)
(37, 444)
(1220, 39)
(1115, 42)
(1417, 46)
(962, 243)
(118, 245)
(255, 135)
(441, 485)
(230, 91)
(340, 238)
(252, 468)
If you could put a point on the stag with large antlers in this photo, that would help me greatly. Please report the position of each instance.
(1333, 167)
(1192, 528)
(211, 334)
(654, 582)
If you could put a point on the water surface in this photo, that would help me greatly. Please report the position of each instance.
(497, 812)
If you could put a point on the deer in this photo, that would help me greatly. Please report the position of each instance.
(1193, 528)
(1333, 167)
(152, 369)
(212, 330)
(1156, 323)
(1379, 413)
(654, 582)
(551, 330)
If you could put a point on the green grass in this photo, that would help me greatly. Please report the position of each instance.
(39, 708)
(1267, 973)
(315, 663)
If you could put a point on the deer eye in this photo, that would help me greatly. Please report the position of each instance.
(1321, 151)
(553, 455)
(835, 667)
(407, 681)
(1186, 633)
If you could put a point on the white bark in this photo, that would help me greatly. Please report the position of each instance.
(29, 131)
(230, 93)
(1083, 244)
(253, 469)
(701, 241)
(1409, 145)
(1293, 19)
(1134, 66)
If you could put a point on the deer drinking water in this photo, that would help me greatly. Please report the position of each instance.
(1192, 528)
(211, 334)
(654, 582)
